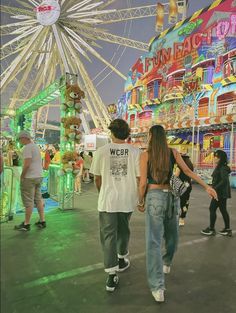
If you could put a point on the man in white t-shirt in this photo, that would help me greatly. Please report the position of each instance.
(30, 182)
(115, 167)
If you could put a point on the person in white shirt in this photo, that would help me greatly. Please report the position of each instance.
(30, 182)
(115, 167)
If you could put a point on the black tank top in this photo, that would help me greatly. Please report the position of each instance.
(151, 180)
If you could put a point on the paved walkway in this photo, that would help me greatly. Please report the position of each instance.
(60, 269)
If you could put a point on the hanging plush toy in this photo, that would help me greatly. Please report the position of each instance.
(68, 160)
(73, 96)
(72, 125)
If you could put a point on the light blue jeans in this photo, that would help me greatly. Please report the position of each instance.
(161, 223)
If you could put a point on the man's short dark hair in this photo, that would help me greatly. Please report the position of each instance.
(120, 129)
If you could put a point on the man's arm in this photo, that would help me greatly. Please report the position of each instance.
(26, 165)
(98, 182)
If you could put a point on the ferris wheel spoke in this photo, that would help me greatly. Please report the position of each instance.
(18, 38)
(16, 11)
(33, 57)
(42, 48)
(108, 37)
(33, 89)
(19, 60)
(49, 57)
(82, 6)
(35, 3)
(76, 46)
(10, 50)
(93, 51)
(82, 14)
(25, 4)
(21, 30)
(67, 4)
(93, 92)
(52, 73)
(9, 28)
(69, 49)
(89, 88)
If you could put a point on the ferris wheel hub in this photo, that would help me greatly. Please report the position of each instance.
(48, 12)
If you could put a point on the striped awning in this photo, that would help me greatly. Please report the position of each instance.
(135, 106)
(207, 87)
(177, 141)
(228, 80)
(172, 96)
(152, 102)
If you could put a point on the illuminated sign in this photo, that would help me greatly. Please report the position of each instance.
(225, 27)
(181, 49)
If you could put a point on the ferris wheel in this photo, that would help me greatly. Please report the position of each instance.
(50, 38)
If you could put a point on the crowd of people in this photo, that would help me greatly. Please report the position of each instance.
(127, 179)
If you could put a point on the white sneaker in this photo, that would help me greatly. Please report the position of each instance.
(166, 269)
(181, 222)
(158, 295)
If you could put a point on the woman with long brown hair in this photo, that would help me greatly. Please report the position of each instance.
(156, 168)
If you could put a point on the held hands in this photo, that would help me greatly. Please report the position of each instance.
(141, 206)
(212, 193)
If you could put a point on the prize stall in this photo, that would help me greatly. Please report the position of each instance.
(59, 178)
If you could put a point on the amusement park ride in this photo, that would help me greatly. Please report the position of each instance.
(187, 82)
(51, 38)
(46, 51)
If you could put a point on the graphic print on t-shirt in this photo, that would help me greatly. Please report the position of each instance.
(119, 163)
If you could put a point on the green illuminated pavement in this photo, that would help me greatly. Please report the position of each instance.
(60, 269)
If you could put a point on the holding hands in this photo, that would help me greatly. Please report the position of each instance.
(141, 206)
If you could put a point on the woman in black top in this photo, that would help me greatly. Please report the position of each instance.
(220, 182)
(184, 198)
(156, 167)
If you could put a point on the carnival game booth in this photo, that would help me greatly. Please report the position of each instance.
(60, 175)
(187, 82)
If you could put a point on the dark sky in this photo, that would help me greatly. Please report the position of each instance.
(142, 29)
(111, 88)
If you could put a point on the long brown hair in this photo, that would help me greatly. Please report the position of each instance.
(158, 154)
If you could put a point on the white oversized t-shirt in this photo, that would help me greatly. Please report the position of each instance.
(31, 151)
(118, 164)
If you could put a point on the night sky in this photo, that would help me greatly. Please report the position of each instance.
(111, 87)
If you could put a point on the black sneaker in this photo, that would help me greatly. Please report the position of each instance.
(22, 227)
(226, 232)
(123, 264)
(40, 224)
(208, 232)
(112, 282)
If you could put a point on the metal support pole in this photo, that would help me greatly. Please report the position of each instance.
(198, 147)
(193, 131)
(184, 15)
(231, 144)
